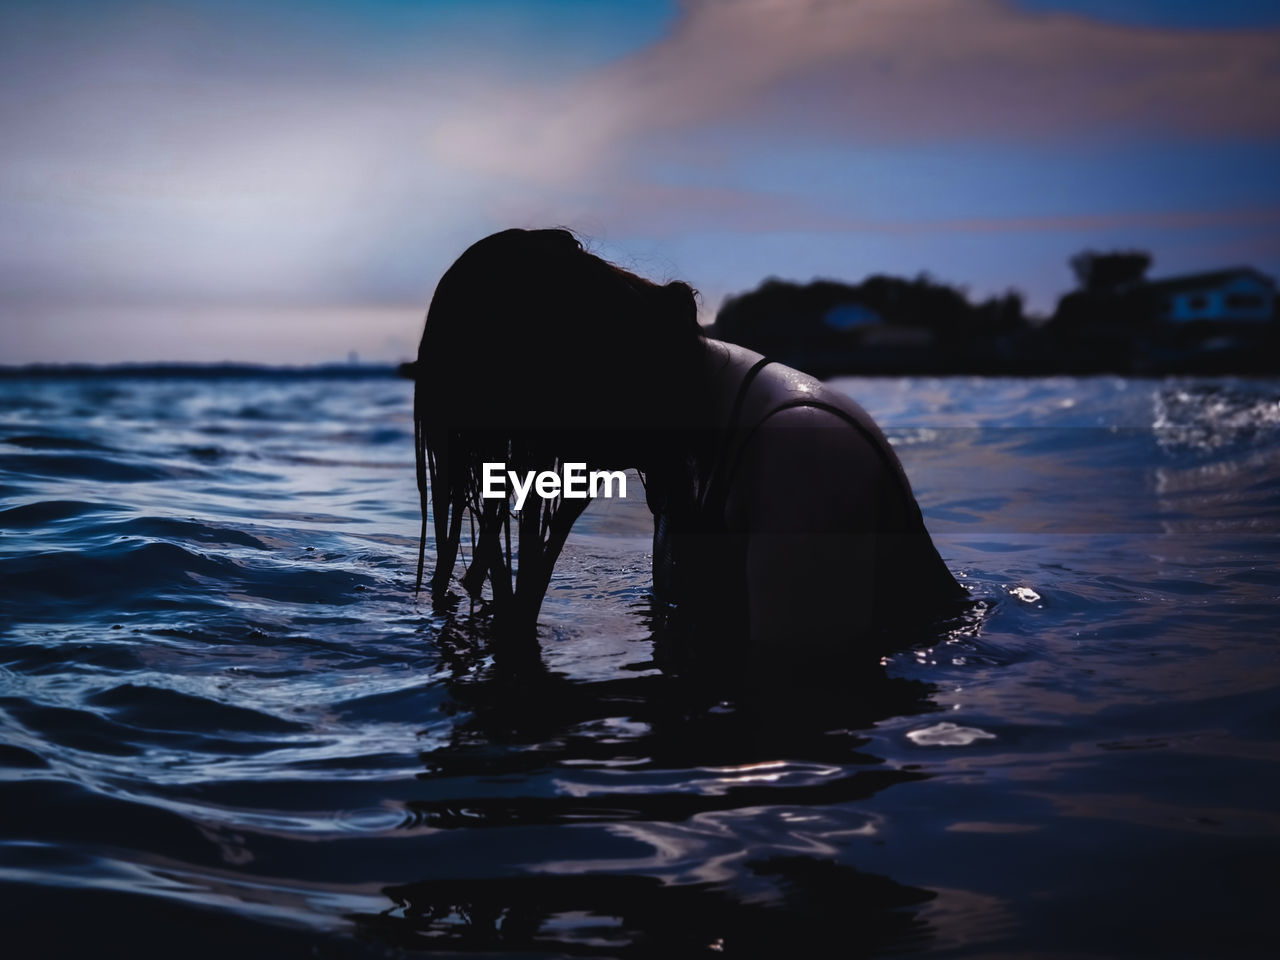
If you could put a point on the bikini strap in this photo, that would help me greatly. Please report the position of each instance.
(885, 456)
(731, 424)
(743, 387)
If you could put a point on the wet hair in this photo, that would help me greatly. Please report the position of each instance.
(535, 352)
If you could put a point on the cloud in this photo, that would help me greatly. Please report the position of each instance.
(243, 154)
(160, 154)
(647, 207)
(872, 72)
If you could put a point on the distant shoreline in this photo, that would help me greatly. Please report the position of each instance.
(342, 371)
(203, 371)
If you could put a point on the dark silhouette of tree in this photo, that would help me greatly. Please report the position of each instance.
(936, 324)
(1103, 325)
(1098, 272)
(1111, 322)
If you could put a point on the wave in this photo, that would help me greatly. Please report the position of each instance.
(46, 441)
(1212, 417)
(30, 515)
(57, 466)
(156, 708)
(129, 575)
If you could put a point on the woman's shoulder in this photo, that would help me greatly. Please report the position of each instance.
(770, 396)
(794, 439)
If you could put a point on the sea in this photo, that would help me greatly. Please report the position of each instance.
(229, 727)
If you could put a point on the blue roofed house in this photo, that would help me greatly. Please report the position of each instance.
(867, 328)
(1231, 296)
(849, 316)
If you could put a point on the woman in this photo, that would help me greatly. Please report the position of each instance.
(785, 529)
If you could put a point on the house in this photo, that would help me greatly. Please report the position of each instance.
(865, 327)
(844, 317)
(1233, 295)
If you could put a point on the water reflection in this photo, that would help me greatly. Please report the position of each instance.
(808, 904)
(641, 813)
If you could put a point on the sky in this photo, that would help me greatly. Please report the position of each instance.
(283, 181)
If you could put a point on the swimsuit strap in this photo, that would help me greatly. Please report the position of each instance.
(886, 456)
(743, 387)
(844, 415)
(722, 456)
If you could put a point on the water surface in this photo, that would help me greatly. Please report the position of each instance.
(227, 724)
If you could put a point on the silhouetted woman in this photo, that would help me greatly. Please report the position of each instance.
(786, 534)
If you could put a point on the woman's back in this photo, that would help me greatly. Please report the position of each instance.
(798, 519)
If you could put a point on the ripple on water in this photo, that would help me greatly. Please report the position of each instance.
(31, 515)
(156, 708)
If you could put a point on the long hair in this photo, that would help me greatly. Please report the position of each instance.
(535, 353)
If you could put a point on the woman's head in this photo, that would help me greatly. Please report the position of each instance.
(536, 352)
(527, 329)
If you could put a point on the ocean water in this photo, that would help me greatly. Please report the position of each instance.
(228, 727)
